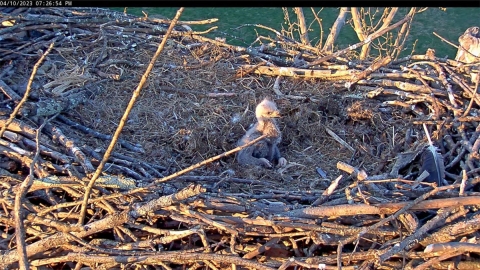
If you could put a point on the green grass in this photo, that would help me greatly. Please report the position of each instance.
(449, 23)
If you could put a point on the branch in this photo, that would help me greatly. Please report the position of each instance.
(303, 26)
(367, 40)
(18, 209)
(377, 209)
(337, 26)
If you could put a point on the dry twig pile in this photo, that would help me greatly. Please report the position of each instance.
(76, 69)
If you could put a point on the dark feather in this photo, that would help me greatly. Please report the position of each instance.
(432, 162)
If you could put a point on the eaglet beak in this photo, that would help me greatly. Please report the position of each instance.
(275, 114)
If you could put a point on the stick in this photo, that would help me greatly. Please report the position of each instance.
(419, 234)
(405, 208)
(446, 255)
(327, 192)
(135, 95)
(444, 40)
(377, 209)
(18, 209)
(340, 140)
(166, 178)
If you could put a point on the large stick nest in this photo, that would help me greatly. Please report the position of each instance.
(362, 117)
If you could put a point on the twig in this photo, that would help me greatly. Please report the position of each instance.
(127, 145)
(18, 209)
(329, 191)
(394, 216)
(339, 140)
(445, 40)
(172, 256)
(375, 66)
(419, 233)
(261, 249)
(8, 91)
(166, 178)
(339, 255)
(467, 111)
(71, 147)
(286, 264)
(436, 260)
(319, 21)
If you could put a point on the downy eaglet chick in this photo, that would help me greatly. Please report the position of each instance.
(265, 152)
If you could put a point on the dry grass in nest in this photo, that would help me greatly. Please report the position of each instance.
(178, 124)
(178, 129)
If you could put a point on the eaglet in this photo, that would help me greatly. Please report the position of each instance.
(265, 152)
